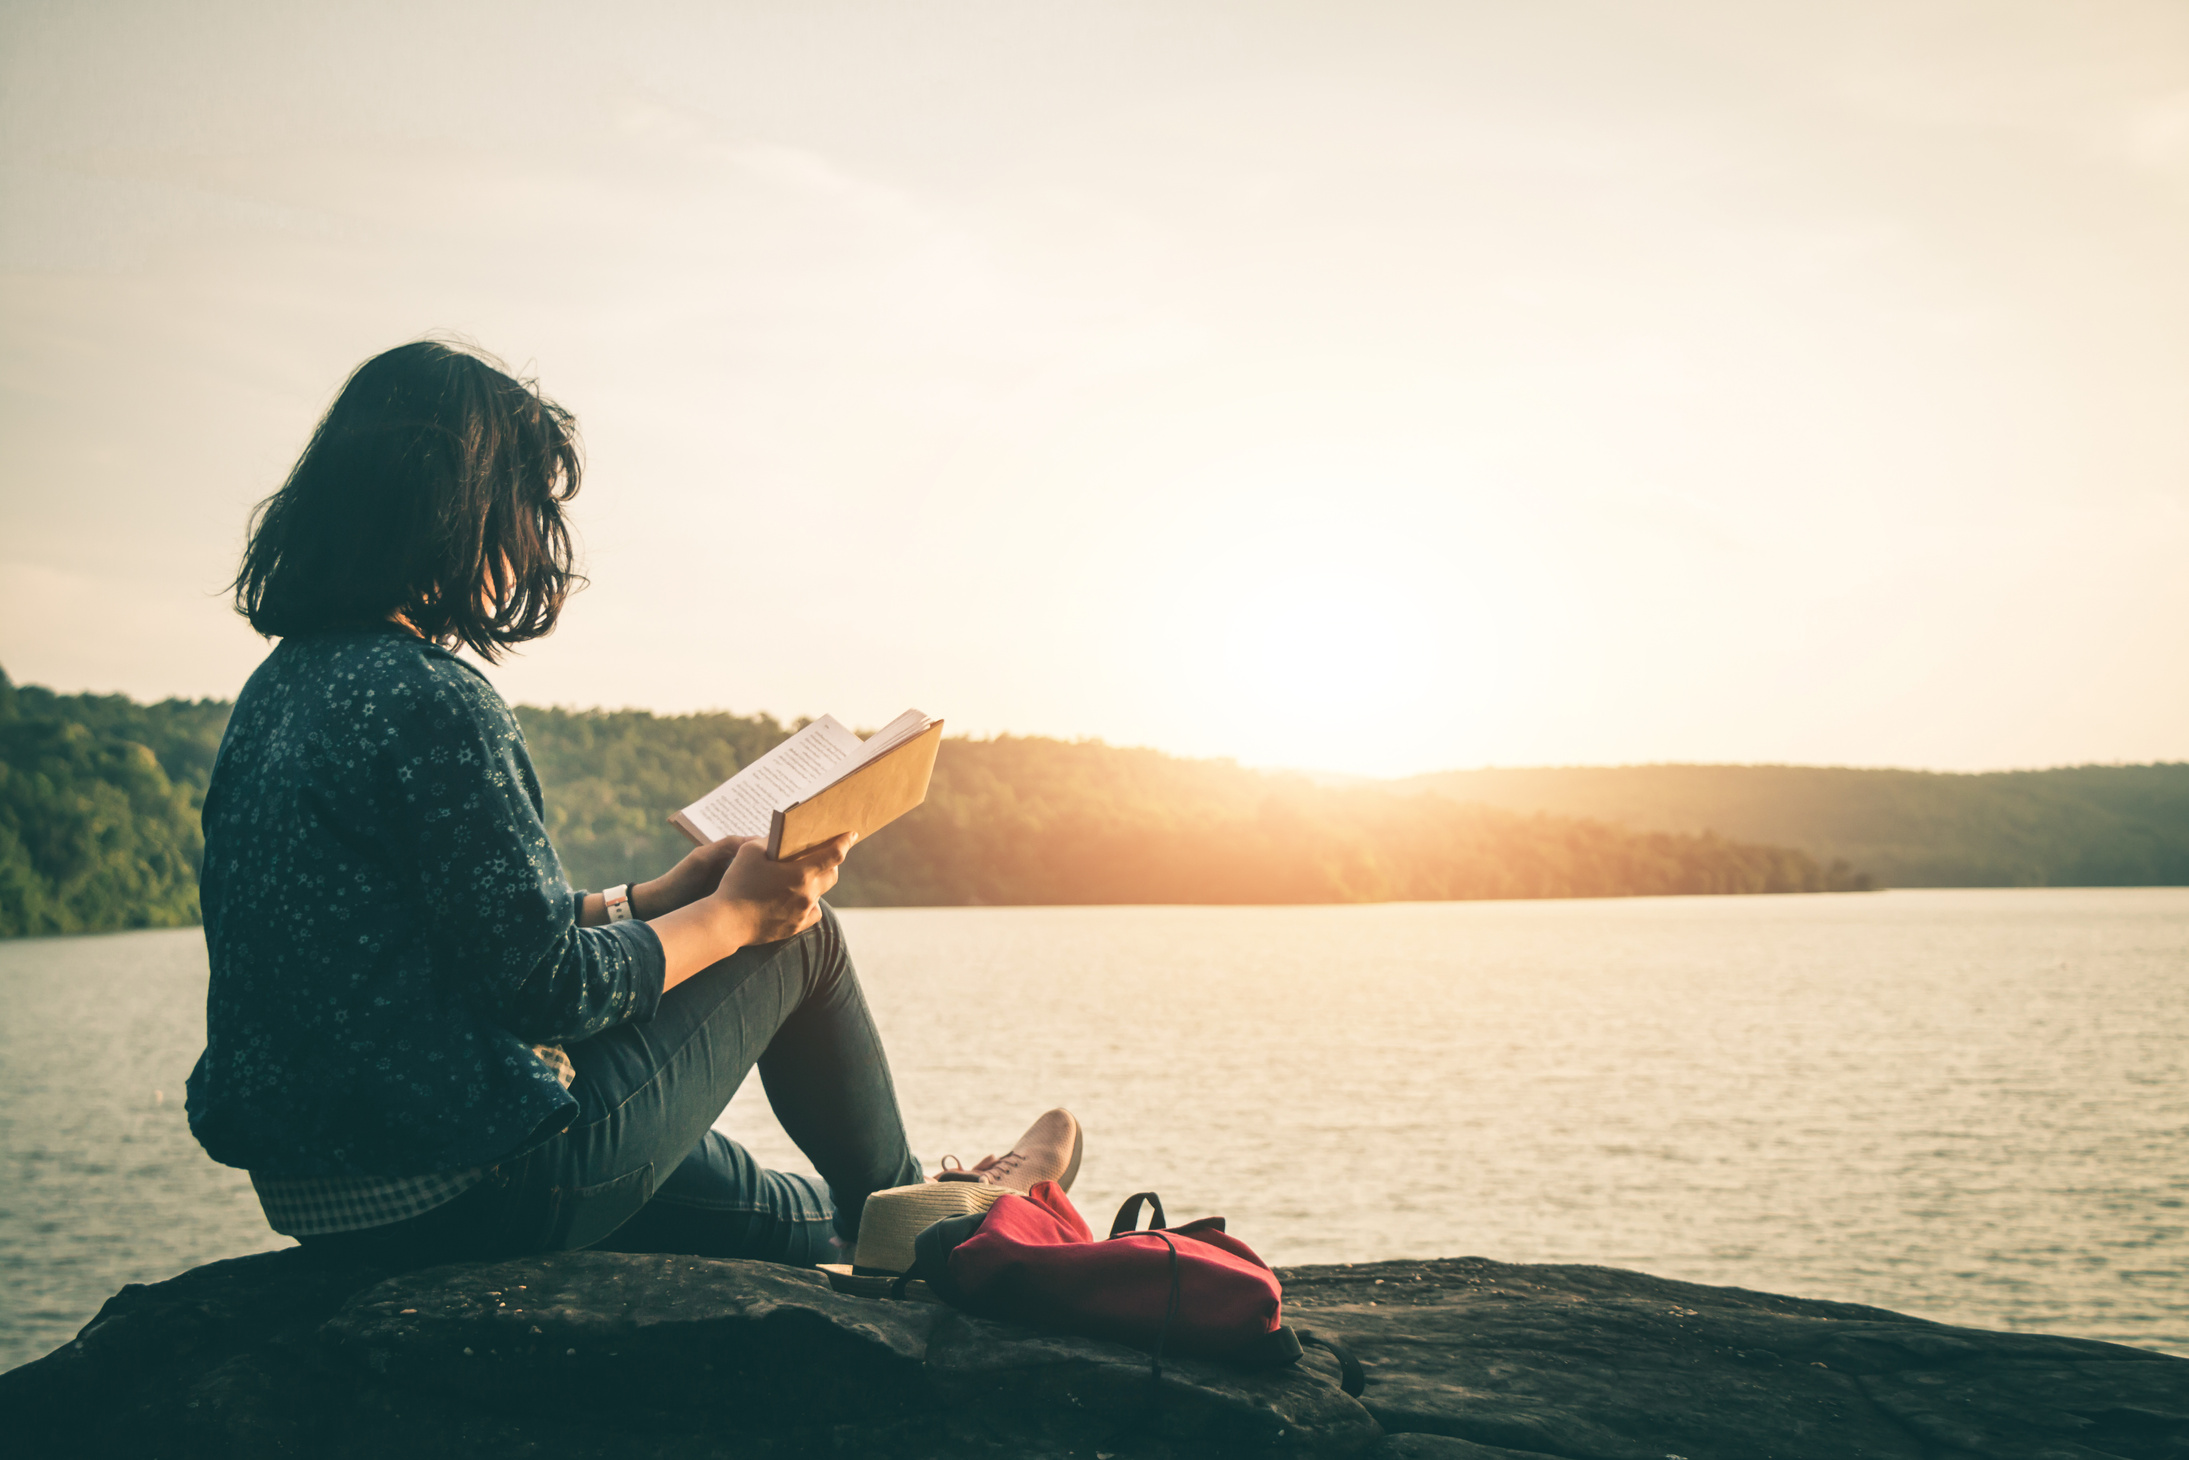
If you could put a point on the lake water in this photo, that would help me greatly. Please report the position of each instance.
(1968, 1105)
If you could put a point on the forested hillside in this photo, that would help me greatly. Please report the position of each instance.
(1024, 820)
(1020, 820)
(2081, 826)
(99, 801)
(99, 805)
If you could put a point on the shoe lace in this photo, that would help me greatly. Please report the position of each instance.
(990, 1169)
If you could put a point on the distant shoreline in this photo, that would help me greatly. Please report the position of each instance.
(99, 803)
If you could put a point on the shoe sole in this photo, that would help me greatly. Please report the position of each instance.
(1079, 1146)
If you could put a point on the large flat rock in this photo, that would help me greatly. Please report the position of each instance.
(604, 1354)
(1591, 1363)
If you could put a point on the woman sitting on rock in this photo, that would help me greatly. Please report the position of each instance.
(420, 1041)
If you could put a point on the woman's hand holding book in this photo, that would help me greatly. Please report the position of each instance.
(782, 899)
(757, 900)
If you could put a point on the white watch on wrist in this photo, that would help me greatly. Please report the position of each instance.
(619, 903)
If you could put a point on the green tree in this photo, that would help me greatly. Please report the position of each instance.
(93, 833)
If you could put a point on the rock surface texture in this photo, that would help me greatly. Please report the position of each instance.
(602, 1354)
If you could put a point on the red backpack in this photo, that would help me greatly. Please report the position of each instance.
(1193, 1290)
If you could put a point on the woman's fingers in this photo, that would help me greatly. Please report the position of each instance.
(819, 867)
(788, 893)
(831, 852)
(811, 876)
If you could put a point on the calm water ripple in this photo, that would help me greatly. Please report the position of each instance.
(1968, 1105)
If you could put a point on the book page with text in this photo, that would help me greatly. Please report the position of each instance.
(809, 760)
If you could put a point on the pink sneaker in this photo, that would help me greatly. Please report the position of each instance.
(1049, 1151)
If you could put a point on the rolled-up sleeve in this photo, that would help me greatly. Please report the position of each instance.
(499, 912)
(584, 981)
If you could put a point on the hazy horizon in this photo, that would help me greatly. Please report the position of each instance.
(1381, 390)
(1324, 774)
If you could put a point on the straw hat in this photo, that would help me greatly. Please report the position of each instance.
(892, 1218)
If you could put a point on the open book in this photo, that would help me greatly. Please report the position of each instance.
(819, 784)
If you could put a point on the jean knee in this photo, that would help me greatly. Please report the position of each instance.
(828, 953)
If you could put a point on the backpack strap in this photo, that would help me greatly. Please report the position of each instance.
(1170, 1310)
(1285, 1345)
(1128, 1215)
(1276, 1349)
(1351, 1377)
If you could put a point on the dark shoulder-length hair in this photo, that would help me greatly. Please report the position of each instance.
(433, 489)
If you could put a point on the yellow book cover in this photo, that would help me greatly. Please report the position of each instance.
(820, 783)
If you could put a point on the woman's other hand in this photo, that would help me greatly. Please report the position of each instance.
(780, 899)
(698, 875)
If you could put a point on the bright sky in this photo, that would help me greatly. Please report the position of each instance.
(1376, 387)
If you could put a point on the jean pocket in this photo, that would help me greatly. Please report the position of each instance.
(583, 1215)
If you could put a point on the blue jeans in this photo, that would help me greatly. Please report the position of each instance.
(640, 1169)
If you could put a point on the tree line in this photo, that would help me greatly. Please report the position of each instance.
(99, 802)
(1026, 820)
(2073, 826)
(100, 795)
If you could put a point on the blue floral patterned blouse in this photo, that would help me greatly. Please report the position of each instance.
(389, 930)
